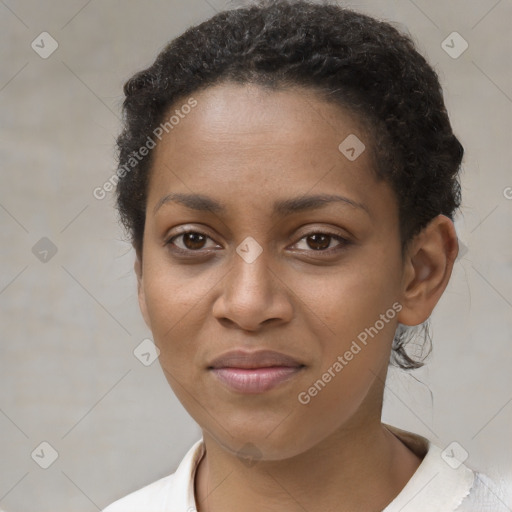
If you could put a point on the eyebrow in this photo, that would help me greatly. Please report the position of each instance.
(282, 207)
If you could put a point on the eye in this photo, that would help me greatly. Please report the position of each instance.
(192, 241)
(319, 241)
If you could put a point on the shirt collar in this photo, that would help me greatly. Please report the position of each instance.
(436, 485)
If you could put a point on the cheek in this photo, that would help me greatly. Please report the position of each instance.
(175, 309)
(176, 305)
(344, 303)
(353, 351)
(352, 315)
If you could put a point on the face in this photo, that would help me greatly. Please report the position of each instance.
(267, 269)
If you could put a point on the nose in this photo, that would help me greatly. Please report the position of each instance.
(253, 294)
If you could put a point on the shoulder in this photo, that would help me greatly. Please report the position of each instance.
(440, 482)
(444, 482)
(175, 491)
(485, 496)
(150, 498)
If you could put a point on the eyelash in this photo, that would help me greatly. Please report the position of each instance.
(343, 242)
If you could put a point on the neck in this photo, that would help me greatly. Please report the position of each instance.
(361, 469)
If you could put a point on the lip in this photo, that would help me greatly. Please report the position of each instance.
(254, 372)
(255, 359)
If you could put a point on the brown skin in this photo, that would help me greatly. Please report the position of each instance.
(247, 147)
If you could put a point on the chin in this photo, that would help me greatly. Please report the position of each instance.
(271, 441)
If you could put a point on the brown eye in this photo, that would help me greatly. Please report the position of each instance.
(319, 241)
(191, 241)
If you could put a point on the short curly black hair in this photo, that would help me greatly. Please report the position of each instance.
(358, 62)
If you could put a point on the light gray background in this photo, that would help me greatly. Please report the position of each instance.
(70, 325)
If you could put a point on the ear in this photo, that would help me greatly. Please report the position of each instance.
(428, 264)
(140, 289)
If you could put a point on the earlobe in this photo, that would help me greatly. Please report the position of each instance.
(427, 269)
(140, 291)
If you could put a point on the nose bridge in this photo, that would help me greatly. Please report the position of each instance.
(251, 270)
(250, 293)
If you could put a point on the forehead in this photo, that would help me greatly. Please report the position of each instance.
(245, 141)
(230, 113)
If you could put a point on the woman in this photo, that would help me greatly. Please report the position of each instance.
(288, 178)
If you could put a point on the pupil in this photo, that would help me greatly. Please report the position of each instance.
(193, 240)
(316, 241)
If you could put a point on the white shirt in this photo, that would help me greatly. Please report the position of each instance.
(436, 485)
